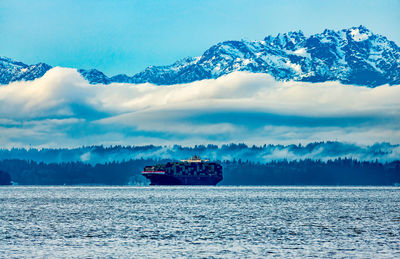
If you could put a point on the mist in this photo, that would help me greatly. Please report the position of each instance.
(383, 152)
(62, 109)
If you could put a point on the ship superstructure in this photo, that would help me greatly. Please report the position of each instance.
(193, 171)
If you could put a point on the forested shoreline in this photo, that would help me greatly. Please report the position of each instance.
(340, 171)
(384, 152)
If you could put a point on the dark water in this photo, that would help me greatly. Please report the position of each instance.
(197, 222)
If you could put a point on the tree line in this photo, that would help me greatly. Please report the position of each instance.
(263, 153)
(341, 171)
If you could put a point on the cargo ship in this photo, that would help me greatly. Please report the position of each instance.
(193, 171)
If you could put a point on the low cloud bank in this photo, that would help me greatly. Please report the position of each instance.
(61, 109)
(384, 152)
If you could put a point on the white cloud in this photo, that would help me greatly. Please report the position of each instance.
(239, 107)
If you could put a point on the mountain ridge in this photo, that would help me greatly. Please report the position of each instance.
(352, 56)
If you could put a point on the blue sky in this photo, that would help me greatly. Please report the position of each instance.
(126, 36)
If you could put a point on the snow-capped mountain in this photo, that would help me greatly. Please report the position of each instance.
(351, 56)
(11, 70)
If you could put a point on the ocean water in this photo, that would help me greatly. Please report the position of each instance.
(199, 222)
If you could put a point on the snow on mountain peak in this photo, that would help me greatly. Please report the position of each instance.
(359, 34)
(351, 56)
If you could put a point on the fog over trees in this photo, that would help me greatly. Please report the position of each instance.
(237, 172)
(319, 163)
(256, 153)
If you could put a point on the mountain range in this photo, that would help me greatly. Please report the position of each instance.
(352, 56)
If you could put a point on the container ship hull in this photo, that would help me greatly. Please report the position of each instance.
(157, 179)
(194, 171)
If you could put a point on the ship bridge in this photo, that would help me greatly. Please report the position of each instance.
(195, 159)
